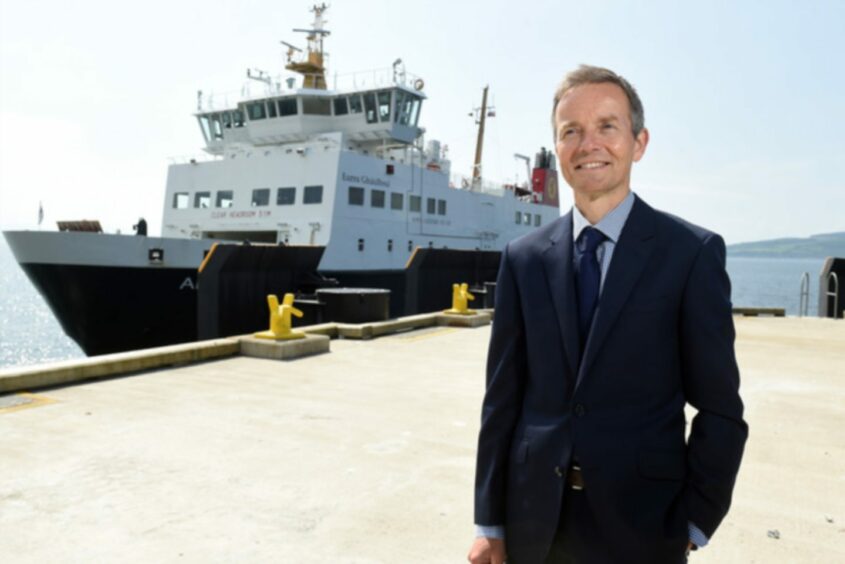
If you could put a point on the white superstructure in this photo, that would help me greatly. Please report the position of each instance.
(344, 168)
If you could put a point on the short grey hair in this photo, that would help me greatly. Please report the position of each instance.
(586, 74)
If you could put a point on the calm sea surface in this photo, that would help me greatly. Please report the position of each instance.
(29, 333)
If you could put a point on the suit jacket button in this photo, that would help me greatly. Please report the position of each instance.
(580, 410)
(559, 472)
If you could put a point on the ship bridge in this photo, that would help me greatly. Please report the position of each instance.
(383, 112)
(383, 115)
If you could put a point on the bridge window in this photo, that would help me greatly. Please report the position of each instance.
(271, 108)
(370, 107)
(407, 108)
(225, 199)
(400, 100)
(355, 104)
(256, 110)
(384, 105)
(285, 196)
(206, 131)
(238, 118)
(287, 107)
(216, 128)
(397, 201)
(181, 200)
(226, 120)
(313, 195)
(404, 107)
(518, 218)
(415, 203)
(202, 200)
(441, 207)
(356, 196)
(340, 108)
(526, 218)
(430, 205)
(415, 111)
(537, 220)
(316, 106)
(260, 197)
(377, 198)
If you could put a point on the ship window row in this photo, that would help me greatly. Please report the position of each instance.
(260, 197)
(375, 105)
(524, 218)
(357, 197)
(214, 124)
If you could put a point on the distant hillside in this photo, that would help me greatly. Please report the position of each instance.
(816, 246)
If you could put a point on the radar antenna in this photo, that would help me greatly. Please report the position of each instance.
(291, 49)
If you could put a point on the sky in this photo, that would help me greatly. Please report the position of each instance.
(743, 100)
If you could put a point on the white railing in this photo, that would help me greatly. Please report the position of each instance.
(229, 100)
(349, 82)
(376, 78)
(465, 182)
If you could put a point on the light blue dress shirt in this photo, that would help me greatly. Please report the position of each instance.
(611, 226)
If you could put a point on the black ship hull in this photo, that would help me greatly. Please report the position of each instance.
(108, 309)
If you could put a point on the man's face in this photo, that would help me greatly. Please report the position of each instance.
(595, 146)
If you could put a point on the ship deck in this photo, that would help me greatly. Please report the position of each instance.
(366, 454)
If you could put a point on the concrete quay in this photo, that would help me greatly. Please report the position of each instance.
(46, 375)
(366, 455)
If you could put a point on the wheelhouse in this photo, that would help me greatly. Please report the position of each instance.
(385, 113)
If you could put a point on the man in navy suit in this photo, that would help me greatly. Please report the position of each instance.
(608, 322)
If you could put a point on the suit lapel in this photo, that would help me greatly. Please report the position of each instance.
(557, 262)
(635, 245)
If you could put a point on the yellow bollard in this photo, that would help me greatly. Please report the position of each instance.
(280, 322)
(460, 300)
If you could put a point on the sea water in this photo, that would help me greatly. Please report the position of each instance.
(774, 282)
(29, 334)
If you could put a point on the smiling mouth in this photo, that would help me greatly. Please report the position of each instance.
(591, 166)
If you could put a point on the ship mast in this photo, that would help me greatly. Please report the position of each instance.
(483, 113)
(312, 68)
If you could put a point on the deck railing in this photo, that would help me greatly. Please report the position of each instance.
(282, 85)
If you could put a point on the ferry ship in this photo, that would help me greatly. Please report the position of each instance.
(347, 168)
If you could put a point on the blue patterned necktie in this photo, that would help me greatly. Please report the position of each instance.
(588, 280)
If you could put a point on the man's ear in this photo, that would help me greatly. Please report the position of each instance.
(640, 143)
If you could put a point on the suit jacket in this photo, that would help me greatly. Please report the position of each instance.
(662, 337)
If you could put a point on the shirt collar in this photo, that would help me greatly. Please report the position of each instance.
(611, 224)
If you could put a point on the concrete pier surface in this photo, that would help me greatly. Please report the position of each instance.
(366, 455)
